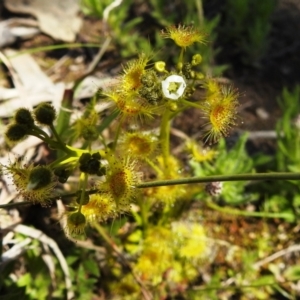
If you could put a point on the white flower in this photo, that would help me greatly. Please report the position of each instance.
(173, 87)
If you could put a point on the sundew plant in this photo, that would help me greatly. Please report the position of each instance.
(125, 163)
(146, 91)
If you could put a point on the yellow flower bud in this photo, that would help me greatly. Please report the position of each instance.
(160, 66)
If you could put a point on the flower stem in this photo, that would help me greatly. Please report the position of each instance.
(180, 60)
(191, 104)
(233, 211)
(106, 237)
(199, 6)
(144, 205)
(153, 166)
(235, 177)
(63, 161)
(58, 139)
(83, 185)
(165, 137)
(117, 134)
(36, 131)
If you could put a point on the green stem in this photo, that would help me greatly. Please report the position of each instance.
(45, 138)
(75, 151)
(102, 139)
(233, 211)
(39, 133)
(83, 184)
(191, 104)
(117, 134)
(165, 138)
(199, 6)
(190, 180)
(63, 161)
(55, 47)
(106, 237)
(58, 139)
(221, 178)
(153, 166)
(144, 205)
(58, 144)
(180, 60)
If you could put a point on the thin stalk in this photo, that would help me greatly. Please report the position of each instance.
(55, 47)
(180, 60)
(237, 212)
(118, 133)
(199, 6)
(221, 178)
(58, 139)
(83, 185)
(75, 151)
(165, 216)
(106, 237)
(144, 215)
(102, 139)
(153, 166)
(63, 161)
(191, 104)
(58, 144)
(165, 137)
(63, 145)
(190, 180)
(45, 138)
(39, 133)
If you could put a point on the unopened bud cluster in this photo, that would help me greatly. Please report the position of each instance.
(91, 164)
(24, 121)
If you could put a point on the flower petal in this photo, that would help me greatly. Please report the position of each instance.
(173, 87)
